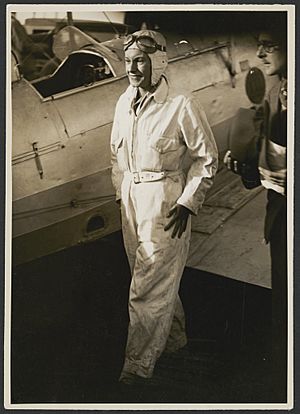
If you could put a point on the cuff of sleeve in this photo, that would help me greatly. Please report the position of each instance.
(189, 206)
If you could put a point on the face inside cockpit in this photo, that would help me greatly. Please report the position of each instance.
(87, 74)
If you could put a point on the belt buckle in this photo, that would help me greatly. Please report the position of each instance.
(136, 178)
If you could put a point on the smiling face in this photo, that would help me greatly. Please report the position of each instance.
(272, 54)
(138, 68)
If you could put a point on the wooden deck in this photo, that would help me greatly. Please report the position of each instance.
(227, 234)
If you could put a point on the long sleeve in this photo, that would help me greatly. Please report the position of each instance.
(116, 174)
(202, 148)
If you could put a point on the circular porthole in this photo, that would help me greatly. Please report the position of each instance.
(95, 223)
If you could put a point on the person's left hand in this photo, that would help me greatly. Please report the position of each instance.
(232, 164)
(180, 215)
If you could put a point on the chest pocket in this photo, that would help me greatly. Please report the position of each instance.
(163, 144)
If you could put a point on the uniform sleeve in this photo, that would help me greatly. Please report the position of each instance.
(202, 148)
(116, 173)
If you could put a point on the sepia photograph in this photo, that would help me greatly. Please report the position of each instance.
(149, 206)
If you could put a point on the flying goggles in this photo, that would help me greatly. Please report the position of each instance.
(145, 43)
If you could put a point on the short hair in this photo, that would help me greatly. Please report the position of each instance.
(276, 25)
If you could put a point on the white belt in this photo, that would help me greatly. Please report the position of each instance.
(148, 176)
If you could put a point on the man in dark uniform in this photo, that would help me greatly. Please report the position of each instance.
(272, 168)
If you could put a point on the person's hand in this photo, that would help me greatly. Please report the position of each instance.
(180, 215)
(249, 172)
(231, 164)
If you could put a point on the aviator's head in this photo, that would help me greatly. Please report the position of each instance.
(145, 58)
(271, 49)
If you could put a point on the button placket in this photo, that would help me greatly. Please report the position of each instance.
(133, 143)
(130, 143)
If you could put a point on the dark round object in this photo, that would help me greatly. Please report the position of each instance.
(255, 85)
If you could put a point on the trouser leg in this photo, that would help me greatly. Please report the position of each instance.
(153, 294)
(278, 245)
(157, 271)
(177, 337)
(129, 225)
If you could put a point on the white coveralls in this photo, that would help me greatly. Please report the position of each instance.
(155, 140)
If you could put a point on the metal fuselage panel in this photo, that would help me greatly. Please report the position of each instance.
(60, 235)
(62, 202)
(87, 110)
(32, 119)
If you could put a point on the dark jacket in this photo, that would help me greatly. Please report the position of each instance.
(275, 130)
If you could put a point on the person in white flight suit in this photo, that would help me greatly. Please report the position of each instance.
(151, 133)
